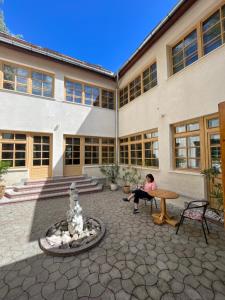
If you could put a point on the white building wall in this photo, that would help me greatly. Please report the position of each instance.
(29, 113)
(193, 92)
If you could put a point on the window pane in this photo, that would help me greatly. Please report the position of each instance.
(8, 136)
(8, 147)
(194, 141)
(21, 147)
(8, 85)
(181, 153)
(194, 163)
(180, 142)
(180, 129)
(213, 123)
(193, 127)
(214, 139)
(181, 163)
(7, 155)
(20, 163)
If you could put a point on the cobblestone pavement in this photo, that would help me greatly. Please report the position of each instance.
(135, 260)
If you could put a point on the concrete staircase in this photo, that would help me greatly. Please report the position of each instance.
(50, 188)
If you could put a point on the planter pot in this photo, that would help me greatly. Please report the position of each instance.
(113, 186)
(126, 189)
(2, 189)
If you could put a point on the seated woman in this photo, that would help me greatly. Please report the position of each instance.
(142, 192)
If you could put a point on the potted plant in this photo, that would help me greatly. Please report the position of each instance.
(4, 166)
(130, 177)
(214, 188)
(112, 174)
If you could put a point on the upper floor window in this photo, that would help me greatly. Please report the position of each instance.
(123, 96)
(24, 80)
(91, 95)
(150, 77)
(15, 78)
(185, 52)
(214, 31)
(135, 88)
(107, 99)
(42, 84)
(73, 91)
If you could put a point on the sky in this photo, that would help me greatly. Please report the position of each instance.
(102, 32)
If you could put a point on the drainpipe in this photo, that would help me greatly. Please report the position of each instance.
(116, 119)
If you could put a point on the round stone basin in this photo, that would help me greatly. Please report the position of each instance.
(58, 242)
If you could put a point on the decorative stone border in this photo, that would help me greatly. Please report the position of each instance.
(46, 247)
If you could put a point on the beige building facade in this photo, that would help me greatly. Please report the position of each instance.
(159, 113)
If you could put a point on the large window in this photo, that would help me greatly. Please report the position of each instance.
(15, 78)
(108, 151)
(92, 151)
(150, 77)
(185, 52)
(140, 149)
(213, 30)
(151, 148)
(13, 149)
(213, 137)
(41, 150)
(72, 151)
(91, 95)
(123, 96)
(42, 84)
(187, 146)
(135, 88)
(18, 78)
(81, 93)
(107, 99)
(124, 150)
(73, 91)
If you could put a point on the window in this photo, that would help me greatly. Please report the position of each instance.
(213, 132)
(91, 95)
(73, 91)
(136, 150)
(135, 88)
(15, 78)
(13, 149)
(41, 150)
(107, 99)
(124, 157)
(185, 52)
(123, 96)
(187, 146)
(150, 77)
(108, 151)
(151, 148)
(42, 84)
(92, 151)
(72, 151)
(213, 30)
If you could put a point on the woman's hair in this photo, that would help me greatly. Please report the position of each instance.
(150, 176)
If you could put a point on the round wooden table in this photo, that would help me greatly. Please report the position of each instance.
(163, 217)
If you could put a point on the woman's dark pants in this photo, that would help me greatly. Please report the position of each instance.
(139, 194)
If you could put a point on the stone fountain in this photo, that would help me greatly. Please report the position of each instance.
(74, 235)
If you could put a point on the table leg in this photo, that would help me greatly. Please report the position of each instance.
(163, 217)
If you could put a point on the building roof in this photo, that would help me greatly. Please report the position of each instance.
(177, 12)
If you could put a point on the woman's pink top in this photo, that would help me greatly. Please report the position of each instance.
(150, 186)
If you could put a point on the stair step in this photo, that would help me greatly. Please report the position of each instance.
(33, 191)
(95, 189)
(55, 180)
(52, 184)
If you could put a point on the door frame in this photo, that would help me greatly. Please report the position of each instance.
(222, 141)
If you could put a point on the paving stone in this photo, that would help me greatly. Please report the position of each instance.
(219, 287)
(35, 289)
(92, 278)
(70, 295)
(97, 290)
(205, 293)
(61, 283)
(74, 283)
(150, 279)
(115, 285)
(176, 286)
(83, 290)
(168, 296)
(153, 292)
(107, 295)
(165, 274)
(71, 273)
(28, 282)
(219, 296)
(191, 293)
(140, 292)
(48, 289)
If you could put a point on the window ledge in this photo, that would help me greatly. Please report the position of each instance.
(85, 105)
(186, 173)
(27, 94)
(12, 170)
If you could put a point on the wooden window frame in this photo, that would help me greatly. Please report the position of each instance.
(130, 139)
(72, 144)
(122, 94)
(83, 84)
(107, 98)
(108, 146)
(199, 28)
(181, 40)
(150, 78)
(29, 81)
(15, 142)
(134, 91)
